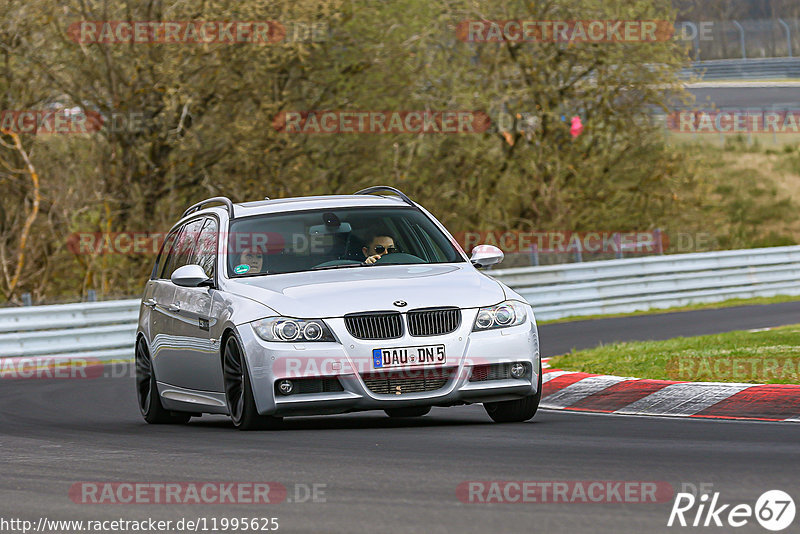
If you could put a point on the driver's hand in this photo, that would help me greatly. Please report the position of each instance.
(372, 259)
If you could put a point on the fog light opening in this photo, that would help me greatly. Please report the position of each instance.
(285, 387)
(518, 370)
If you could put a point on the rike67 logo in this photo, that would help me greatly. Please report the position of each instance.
(774, 510)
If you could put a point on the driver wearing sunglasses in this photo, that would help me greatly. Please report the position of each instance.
(377, 247)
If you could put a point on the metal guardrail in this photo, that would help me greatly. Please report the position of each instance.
(620, 286)
(101, 330)
(106, 330)
(745, 69)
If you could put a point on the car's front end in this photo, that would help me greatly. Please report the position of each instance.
(389, 338)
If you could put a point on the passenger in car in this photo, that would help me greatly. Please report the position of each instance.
(378, 245)
(254, 259)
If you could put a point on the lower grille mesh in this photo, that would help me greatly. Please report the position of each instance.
(402, 382)
(497, 371)
(314, 385)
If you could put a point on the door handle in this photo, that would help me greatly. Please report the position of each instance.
(174, 307)
(151, 303)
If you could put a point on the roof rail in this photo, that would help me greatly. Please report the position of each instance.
(386, 189)
(202, 204)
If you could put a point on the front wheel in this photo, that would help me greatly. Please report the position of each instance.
(516, 411)
(147, 391)
(411, 411)
(239, 391)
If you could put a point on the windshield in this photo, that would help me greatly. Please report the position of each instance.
(335, 239)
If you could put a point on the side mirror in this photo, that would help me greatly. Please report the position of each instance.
(486, 255)
(189, 276)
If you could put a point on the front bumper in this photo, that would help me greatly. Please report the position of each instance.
(351, 361)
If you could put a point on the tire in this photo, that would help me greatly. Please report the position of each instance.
(516, 411)
(239, 391)
(147, 392)
(411, 411)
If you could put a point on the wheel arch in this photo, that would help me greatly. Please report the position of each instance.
(223, 340)
(141, 337)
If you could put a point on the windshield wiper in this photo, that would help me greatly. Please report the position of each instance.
(340, 266)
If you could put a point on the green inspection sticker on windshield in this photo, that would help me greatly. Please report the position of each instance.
(241, 269)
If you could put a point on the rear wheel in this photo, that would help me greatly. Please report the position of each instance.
(516, 411)
(147, 391)
(411, 411)
(239, 391)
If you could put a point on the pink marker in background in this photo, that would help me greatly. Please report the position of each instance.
(577, 127)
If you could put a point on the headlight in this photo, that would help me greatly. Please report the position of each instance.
(297, 330)
(508, 313)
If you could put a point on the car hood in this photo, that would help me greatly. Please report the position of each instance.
(334, 293)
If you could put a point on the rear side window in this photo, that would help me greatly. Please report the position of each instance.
(205, 252)
(183, 247)
(163, 255)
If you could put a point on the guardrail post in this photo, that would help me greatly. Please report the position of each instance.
(618, 246)
(534, 255)
(695, 37)
(788, 36)
(659, 242)
(91, 295)
(27, 300)
(741, 38)
(578, 252)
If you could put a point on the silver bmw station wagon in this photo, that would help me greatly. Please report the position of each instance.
(324, 305)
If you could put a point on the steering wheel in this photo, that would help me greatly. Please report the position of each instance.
(398, 258)
(331, 263)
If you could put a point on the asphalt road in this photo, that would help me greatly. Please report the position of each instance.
(382, 475)
(559, 338)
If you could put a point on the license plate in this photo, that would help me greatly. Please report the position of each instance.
(408, 356)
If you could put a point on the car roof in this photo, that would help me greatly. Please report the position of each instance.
(283, 205)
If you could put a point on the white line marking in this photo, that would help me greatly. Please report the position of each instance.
(579, 390)
(682, 400)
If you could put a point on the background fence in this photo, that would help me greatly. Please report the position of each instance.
(105, 330)
(741, 39)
